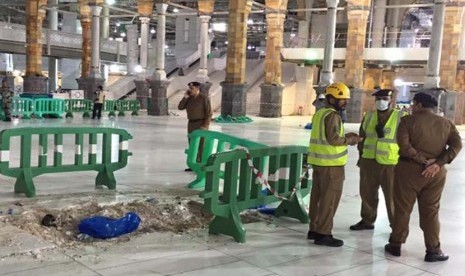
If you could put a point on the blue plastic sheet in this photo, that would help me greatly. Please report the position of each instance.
(105, 228)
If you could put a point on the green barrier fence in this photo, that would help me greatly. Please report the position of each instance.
(213, 142)
(240, 191)
(78, 105)
(25, 172)
(110, 107)
(128, 105)
(230, 119)
(22, 107)
(54, 107)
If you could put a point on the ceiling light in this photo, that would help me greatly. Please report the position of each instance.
(138, 69)
(220, 27)
(250, 22)
(110, 2)
(398, 82)
(292, 35)
(152, 31)
(123, 34)
(118, 24)
(175, 10)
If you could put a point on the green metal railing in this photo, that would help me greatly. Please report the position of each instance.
(22, 107)
(213, 142)
(48, 106)
(110, 107)
(78, 105)
(132, 106)
(25, 172)
(240, 191)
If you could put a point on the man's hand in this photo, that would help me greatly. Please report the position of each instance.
(429, 162)
(353, 138)
(431, 171)
(187, 94)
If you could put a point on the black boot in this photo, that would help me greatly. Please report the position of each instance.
(311, 235)
(361, 225)
(328, 240)
(436, 257)
(393, 250)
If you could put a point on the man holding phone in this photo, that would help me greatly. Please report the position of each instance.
(198, 110)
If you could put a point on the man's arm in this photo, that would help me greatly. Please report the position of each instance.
(208, 113)
(183, 103)
(405, 148)
(362, 134)
(333, 124)
(454, 145)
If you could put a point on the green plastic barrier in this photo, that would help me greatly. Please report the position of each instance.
(214, 142)
(110, 107)
(241, 192)
(22, 107)
(25, 172)
(230, 119)
(128, 105)
(78, 105)
(54, 107)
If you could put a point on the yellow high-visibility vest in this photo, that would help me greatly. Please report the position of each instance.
(384, 150)
(320, 152)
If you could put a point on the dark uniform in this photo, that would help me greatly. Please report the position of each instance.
(423, 137)
(7, 99)
(375, 169)
(198, 110)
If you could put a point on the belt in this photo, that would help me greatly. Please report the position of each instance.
(406, 159)
(196, 120)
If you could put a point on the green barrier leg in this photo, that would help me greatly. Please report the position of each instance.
(231, 226)
(135, 113)
(111, 114)
(69, 115)
(86, 114)
(121, 114)
(198, 183)
(106, 178)
(24, 183)
(293, 208)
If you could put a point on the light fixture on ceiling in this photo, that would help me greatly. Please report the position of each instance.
(292, 35)
(110, 2)
(118, 24)
(122, 34)
(152, 31)
(220, 27)
(138, 69)
(250, 22)
(175, 10)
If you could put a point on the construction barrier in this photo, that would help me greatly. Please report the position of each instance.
(22, 107)
(78, 105)
(282, 179)
(212, 142)
(48, 106)
(110, 107)
(25, 172)
(128, 105)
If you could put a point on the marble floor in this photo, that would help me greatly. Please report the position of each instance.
(277, 248)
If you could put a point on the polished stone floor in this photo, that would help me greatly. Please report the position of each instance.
(279, 248)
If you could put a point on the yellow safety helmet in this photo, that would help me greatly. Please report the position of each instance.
(338, 90)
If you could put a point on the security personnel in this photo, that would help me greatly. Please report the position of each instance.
(328, 155)
(199, 112)
(426, 143)
(378, 156)
(7, 99)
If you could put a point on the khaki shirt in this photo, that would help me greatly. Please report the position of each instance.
(333, 124)
(197, 108)
(425, 135)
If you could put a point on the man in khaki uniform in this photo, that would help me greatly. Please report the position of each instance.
(328, 155)
(427, 142)
(378, 156)
(199, 112)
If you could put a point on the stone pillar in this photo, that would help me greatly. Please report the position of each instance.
(202, 75)
(326, 75)
(450, 46)
(91, 79)
(86, 26)
(272, 88)
(144, 41)
(105, 23)
(305, 94)
(460, 86)
(34, 81)
(132, 49)
(388, 80)
(357, 12)
(234, 93)
(372, 78)
(158, 104)
(435, 47)
(379, 20)
(462, 38)
(393, 25)
(6, 69)
(52, 18)
(303, 31)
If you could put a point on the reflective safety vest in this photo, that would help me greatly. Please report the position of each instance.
(320, 152)
(384, 150)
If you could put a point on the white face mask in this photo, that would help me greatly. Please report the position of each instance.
(382, 105)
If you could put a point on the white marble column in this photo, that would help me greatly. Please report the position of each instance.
(52, 17)
(462, 38)
(6, 63)
(393, 29)
(304, 27)
(132, 49)
(204, 48)
(379, 23)
(105, 23)
(95, 70)
(326, 77)
(435, 47)
(144, 41)
(160, 73)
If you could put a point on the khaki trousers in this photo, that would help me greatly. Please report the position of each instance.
(410, 186)
(372, 176)
(325, 196)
